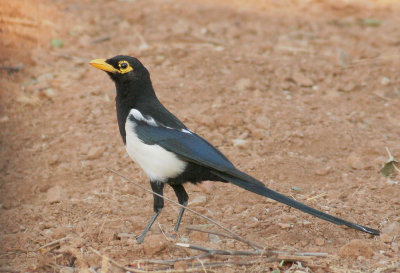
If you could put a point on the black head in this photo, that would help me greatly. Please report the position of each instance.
(122, 69)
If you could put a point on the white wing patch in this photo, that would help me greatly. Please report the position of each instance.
(137, 115)
(158, 163)
(186, 131)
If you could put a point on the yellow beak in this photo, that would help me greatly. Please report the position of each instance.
(101, 64)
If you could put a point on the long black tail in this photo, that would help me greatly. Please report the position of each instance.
(251, 184)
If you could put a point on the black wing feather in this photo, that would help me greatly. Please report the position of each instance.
(195, 149)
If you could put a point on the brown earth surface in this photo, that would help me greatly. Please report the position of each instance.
(303, 95)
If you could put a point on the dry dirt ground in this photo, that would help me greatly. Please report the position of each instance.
(303, 95)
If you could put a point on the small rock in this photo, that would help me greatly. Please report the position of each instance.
(284, 225)
(181, 265)
(54, 160)
(241, 143)
(239, 208)
(354, 161)
(323, 171)
(94, 153)
(4, 119)
(28, 100)
(348, 87)
(198, 236)
(385, 81)
(243, 84)
(67, 270)
(49, 93)
(306, 223)
(55, 194)
(355, 248)
(254, 224)
(319, 242)
(302, 80)
(198, 200)
(392, 229)
(46, 233)
(159, 59)
(154, 244)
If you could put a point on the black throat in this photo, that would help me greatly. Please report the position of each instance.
(132, 94)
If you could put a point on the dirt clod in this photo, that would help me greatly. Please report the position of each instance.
(154, 244)
(243, 84)
(301, 79)
(55, 194)
(323, 171)
(181, 265)
(94, 153)
(355, 248)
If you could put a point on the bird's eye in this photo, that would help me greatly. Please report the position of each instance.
(124, 67)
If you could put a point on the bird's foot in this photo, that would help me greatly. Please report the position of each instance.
(140, 239)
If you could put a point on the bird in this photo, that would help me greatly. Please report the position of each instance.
(169, 152)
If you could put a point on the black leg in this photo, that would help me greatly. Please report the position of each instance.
(183, 200)
(157, 187)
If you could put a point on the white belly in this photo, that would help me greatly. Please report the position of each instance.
(158, 163)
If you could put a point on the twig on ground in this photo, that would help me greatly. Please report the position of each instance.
(317, 196)
(281, 255)
(202, 265)
(19, 21)
(207, 40)
(232, 236)
(213, 251)
(263, 251)
(3, 269)
(101, 39)
(165, 236)
(135, 270)
(53, 243)
(172, 262)
(255, 246)
(115, 263)
(101, 229)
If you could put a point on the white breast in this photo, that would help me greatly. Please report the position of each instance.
(158, 163)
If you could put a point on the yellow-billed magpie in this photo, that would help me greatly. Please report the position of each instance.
(169, 152)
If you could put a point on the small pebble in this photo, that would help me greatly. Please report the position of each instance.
(94, 153)
(55, 194)
(198, 200)
(181, 265)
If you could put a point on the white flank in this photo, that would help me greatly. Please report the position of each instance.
(158, 163)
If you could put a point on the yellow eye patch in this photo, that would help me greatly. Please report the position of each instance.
(124, 67)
